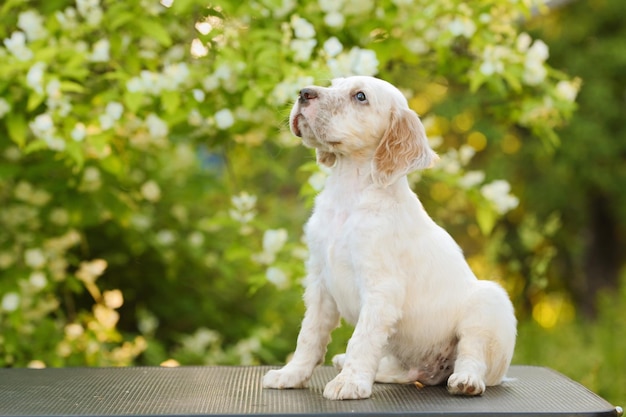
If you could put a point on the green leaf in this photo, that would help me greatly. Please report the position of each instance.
(486, 217)
(153, 29)
(121, 19)
(113, 165)
(133, 101)
(476, 81)
(34, 100)
(71, 87)
(250, 99)
(35, 146)
(75, 152)
(170, 101)
(16, 125)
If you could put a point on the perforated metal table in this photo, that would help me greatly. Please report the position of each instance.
(221, 391)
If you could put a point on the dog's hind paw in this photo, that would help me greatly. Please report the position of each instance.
(465, 384)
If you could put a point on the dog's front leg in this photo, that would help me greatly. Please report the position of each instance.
(320, 318)
(376, 324)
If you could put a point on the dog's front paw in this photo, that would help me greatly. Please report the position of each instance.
(285, 378)
(465, 384)
(347, 388)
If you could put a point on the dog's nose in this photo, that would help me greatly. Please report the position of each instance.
(307, 94)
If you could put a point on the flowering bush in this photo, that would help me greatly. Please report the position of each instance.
(149, 186)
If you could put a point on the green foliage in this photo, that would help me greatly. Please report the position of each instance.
(153, 199)
(589, 352)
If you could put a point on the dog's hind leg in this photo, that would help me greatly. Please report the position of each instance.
(486, 341)
(390, 370)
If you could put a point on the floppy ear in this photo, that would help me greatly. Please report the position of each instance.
(403, 148)
(325, 158)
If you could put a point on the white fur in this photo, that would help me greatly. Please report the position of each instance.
(379, 261)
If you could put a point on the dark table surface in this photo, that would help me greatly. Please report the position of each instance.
(198, 391)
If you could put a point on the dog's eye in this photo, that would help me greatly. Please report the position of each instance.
(360, 96)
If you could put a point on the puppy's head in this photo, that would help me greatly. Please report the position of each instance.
(362, 117)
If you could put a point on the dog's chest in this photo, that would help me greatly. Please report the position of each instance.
(330, 233)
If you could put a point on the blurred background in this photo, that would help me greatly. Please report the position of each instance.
(152, 197)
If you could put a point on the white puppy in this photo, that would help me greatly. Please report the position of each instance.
(379, 261)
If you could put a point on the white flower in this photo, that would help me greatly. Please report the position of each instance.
(198, 95)
(91, 174)
(151, 191)
(10, 302)
(498, 193)
(106, 316)
(318, 180)
(67, 18)
(42, 126)
(302, 28)
(333, 46)
(198, 49)
(90, 10)
(196, 239)
(330, 5)
(34, 77)
(31, 23)
(38, 280)
(5, 107)
(224, 119)
(23, 191)
(523, 42)
(534, 69)
(79, 132)
(36, 364)
(274, 240)
(156, 126)
(462, 26)
(115, 110)
(417, 46)
(34, 258)
(356, 62)
(59, 216)
(303, 49)
(284, 9)
(74, 331)
(106, 121)
(244, 201)
(100, 51)
(567, 90)
(334, 20)
(471, 179)
(141, 222)
(277, 276)
(493, 60)
(364, 61)
(89, 271)
(466, 153)
(176, 73)
(165, 237)
(538, 51)
(53, 89)
(113, 298)
(210, 83)
(16, 44)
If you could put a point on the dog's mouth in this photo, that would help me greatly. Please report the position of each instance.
(295, 126)
(300, 124)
